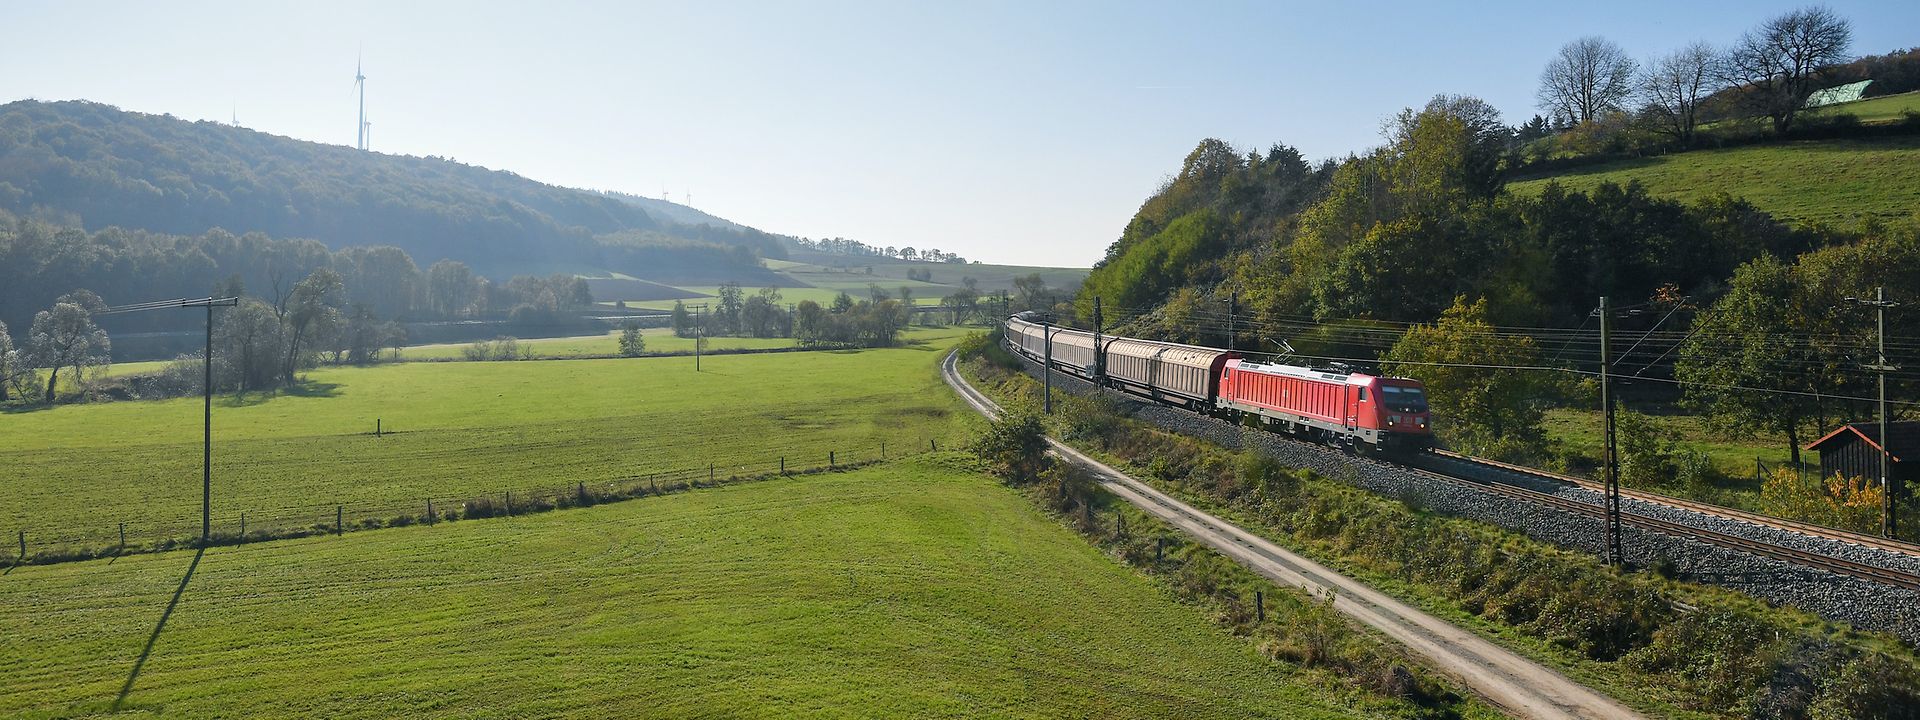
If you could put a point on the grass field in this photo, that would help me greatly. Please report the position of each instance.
(1886, 108)
(456, 431)
(907, 590)
(1827, 181)
(659, 340)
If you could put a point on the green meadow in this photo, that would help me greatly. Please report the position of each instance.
(454, 431)
(1808, 181)
(912, 589)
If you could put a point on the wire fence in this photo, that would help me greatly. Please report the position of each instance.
(234, 525)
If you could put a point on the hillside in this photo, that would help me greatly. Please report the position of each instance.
(1824, 181)
(93, 165)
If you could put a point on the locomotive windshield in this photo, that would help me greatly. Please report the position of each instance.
(1404, 399)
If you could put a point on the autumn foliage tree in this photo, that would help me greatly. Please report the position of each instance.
(1480, 402)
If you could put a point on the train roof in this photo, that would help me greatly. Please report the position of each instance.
(1352, 378)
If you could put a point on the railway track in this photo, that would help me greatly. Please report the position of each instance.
(1796, 556)
(1720, 511)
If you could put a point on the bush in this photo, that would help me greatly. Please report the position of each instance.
(1015, 446)
(500, 348)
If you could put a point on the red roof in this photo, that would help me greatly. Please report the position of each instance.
(1904, 436)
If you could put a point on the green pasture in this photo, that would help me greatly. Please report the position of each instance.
(1812, 181)
(1580, 432)
(1886, 108)
(908, 590)
(456, 431)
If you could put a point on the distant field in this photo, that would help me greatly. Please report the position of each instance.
(908, 590)
(1830, 181)
(456, 431)
(1881, 109)
(823, 294)
(1580, 431)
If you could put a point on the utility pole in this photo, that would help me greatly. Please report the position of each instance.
(1888, 521)
(1610, 466)
(1233, 307)
(699, 335)
(1046, 373)
(1099, 358)
(206, 393)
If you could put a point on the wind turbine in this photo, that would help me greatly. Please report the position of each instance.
(360, 84)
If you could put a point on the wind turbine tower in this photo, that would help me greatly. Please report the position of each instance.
(360, 84)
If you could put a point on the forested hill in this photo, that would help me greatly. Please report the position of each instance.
(93, 165)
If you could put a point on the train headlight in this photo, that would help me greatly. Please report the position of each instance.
(1393, 420)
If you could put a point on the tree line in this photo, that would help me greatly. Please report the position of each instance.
(40, 262)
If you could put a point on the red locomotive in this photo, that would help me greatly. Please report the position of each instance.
(1337, 407)
(1352, 410)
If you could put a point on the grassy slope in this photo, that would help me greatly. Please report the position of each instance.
(1886, 108)
(1831, 181)
(464, 429)
(909, 590)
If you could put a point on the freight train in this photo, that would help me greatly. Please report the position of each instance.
(1340, 408)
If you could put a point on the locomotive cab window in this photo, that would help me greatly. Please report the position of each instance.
(1363, 394)
(1404, 399)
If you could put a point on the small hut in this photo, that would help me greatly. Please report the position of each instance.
(1854, 449)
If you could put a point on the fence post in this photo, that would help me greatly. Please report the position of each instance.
(1120, 520)
(430, 518)
(583, 493)
(1260, 605)
(883, 449)
(123, 537)
(243, 528)
(509, 503)
(23, 548)
(339, 513)
(1758, 471)
(931, 447)
(1159, 548)
(709, 473)
(653, 486)
(783, 464)
(376, 427)
(829, 458)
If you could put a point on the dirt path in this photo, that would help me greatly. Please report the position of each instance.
(1518, 685)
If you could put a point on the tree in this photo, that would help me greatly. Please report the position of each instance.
(682, 320)
(1480, 407)
(1737, 343)
(312, 308)
(632, 343)
(9, 361)
(248, 341)
(732, 300)
(842, 303)
(1032, 290)
(452, 289)
(1588, 78)
(64, 336)
(1777, 62)
(1673, 86)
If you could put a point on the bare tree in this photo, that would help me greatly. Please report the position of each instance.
(1586, 79)
(1777, 62)
(1674, 84)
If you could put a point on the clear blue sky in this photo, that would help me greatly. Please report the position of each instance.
(1005, 131)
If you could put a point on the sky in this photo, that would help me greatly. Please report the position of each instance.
(1013, 132)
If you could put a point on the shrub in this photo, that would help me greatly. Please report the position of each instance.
(1015, 446)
